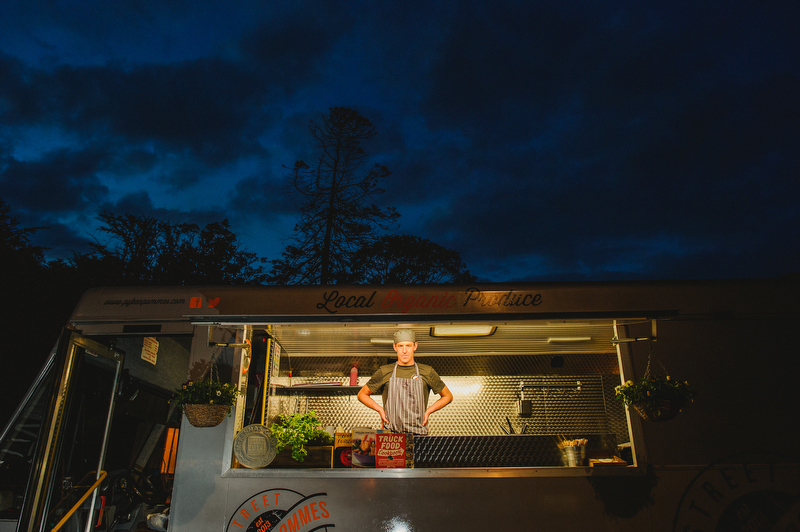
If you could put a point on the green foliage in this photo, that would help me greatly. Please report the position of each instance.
(297, 431)
(206, 392)
(650, 391)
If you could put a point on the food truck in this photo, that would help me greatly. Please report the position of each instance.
(535, 438)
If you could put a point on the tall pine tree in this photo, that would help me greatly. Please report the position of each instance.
(337, 217)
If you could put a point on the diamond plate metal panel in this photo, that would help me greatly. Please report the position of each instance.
(497, 451)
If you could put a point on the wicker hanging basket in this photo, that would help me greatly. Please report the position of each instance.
(664, 411)
(205, 415)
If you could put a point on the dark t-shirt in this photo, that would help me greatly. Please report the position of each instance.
(380, 379)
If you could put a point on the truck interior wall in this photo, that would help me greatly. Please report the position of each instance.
(169, 370)
(217, 357)
(575, 397)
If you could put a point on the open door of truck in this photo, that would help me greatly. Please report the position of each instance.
(65, 462)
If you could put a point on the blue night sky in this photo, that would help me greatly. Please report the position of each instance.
(542, 140)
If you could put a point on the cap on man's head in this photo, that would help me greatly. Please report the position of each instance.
(404, 335)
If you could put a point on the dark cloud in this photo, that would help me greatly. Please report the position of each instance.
(208, 107)
(60, 181)
(203, 106)
(569, 140)
(62, 240)
(623, 136)
(508, 66)
(291, 50)
(264, 198)
(140, 204)
(18, 96)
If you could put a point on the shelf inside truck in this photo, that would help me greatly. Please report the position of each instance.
(317, 389)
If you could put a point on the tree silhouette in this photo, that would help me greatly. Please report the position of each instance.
(218, 259)
(16, 252)
(142, 249)
(145, 251)
(337, 217)
(405, 259)
(27, 310)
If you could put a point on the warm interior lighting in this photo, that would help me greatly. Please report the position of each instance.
(170, 452)
(462, 330)
(568, 339)
(462, 390)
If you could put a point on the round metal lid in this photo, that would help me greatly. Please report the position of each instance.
(254, 446)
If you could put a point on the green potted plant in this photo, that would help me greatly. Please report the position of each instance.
(301, 432)
(655, 398)
(206, 402)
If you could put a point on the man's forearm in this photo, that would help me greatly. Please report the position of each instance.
(438, 405)
(369, 402)
(445, 398)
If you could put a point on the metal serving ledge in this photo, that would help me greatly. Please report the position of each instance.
(520, 450)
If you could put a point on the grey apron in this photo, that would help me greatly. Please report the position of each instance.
(405, 403)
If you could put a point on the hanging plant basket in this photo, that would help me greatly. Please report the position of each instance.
(663, 411)
(656, 398)
(205, 415)
(206, 402)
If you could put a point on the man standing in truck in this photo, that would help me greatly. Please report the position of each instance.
(404, 387)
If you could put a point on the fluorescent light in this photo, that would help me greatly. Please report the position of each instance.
(568, 339)
(462, 330)
(381, 341)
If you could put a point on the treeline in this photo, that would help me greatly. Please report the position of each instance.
(145, 251)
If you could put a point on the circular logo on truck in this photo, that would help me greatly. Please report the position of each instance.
(756, 492)
(281, 510)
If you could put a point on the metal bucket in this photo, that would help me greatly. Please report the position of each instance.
(574, 456)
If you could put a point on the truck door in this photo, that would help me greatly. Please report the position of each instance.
(54, 448)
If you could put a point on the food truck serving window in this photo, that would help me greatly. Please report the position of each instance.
(527, 394)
